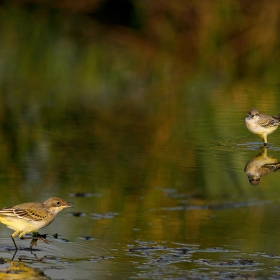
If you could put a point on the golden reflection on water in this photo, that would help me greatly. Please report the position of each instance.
(19, 270)
(260, 165)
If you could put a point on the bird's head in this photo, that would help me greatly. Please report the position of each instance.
(56, 204)
(253, 113)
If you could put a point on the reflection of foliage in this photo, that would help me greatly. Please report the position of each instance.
(110, 106)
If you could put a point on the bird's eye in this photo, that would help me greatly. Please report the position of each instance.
(58, 203)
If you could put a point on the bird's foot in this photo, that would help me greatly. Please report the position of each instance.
(36, 237)
(43, 239)
(34, 241)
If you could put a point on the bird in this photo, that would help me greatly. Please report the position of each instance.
(260, 165)
(31, 216)
(260, 124)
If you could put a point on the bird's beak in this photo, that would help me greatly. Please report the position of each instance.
(69, 204)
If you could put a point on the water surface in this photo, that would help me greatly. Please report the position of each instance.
(144, 132)
(164, 196)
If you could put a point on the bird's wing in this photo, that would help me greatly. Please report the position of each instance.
(267, 121)
(22, 213)
(7, 211)
(35, 216)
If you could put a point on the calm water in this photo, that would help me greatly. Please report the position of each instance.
(143, 130)
(159, 198)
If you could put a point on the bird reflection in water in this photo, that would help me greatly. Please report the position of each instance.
(259, 166)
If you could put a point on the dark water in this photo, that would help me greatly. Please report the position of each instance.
(159, 198)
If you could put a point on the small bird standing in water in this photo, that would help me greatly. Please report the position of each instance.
(31, 216)
(261, 124)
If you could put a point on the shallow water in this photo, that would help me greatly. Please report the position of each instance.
(165, 201)
(143, 130)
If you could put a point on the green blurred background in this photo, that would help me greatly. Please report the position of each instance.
(140, 106)
(98, 87)
(101, 87)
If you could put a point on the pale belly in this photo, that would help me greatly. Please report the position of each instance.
(260, 130)
(22, 225)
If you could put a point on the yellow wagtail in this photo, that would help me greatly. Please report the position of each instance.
(31, 216)
(261, 124)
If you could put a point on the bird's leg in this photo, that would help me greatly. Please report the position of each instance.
(14, 255)
(265, 140)
(38, 236)
(35, 238)
(33, 242)
(14, 242)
